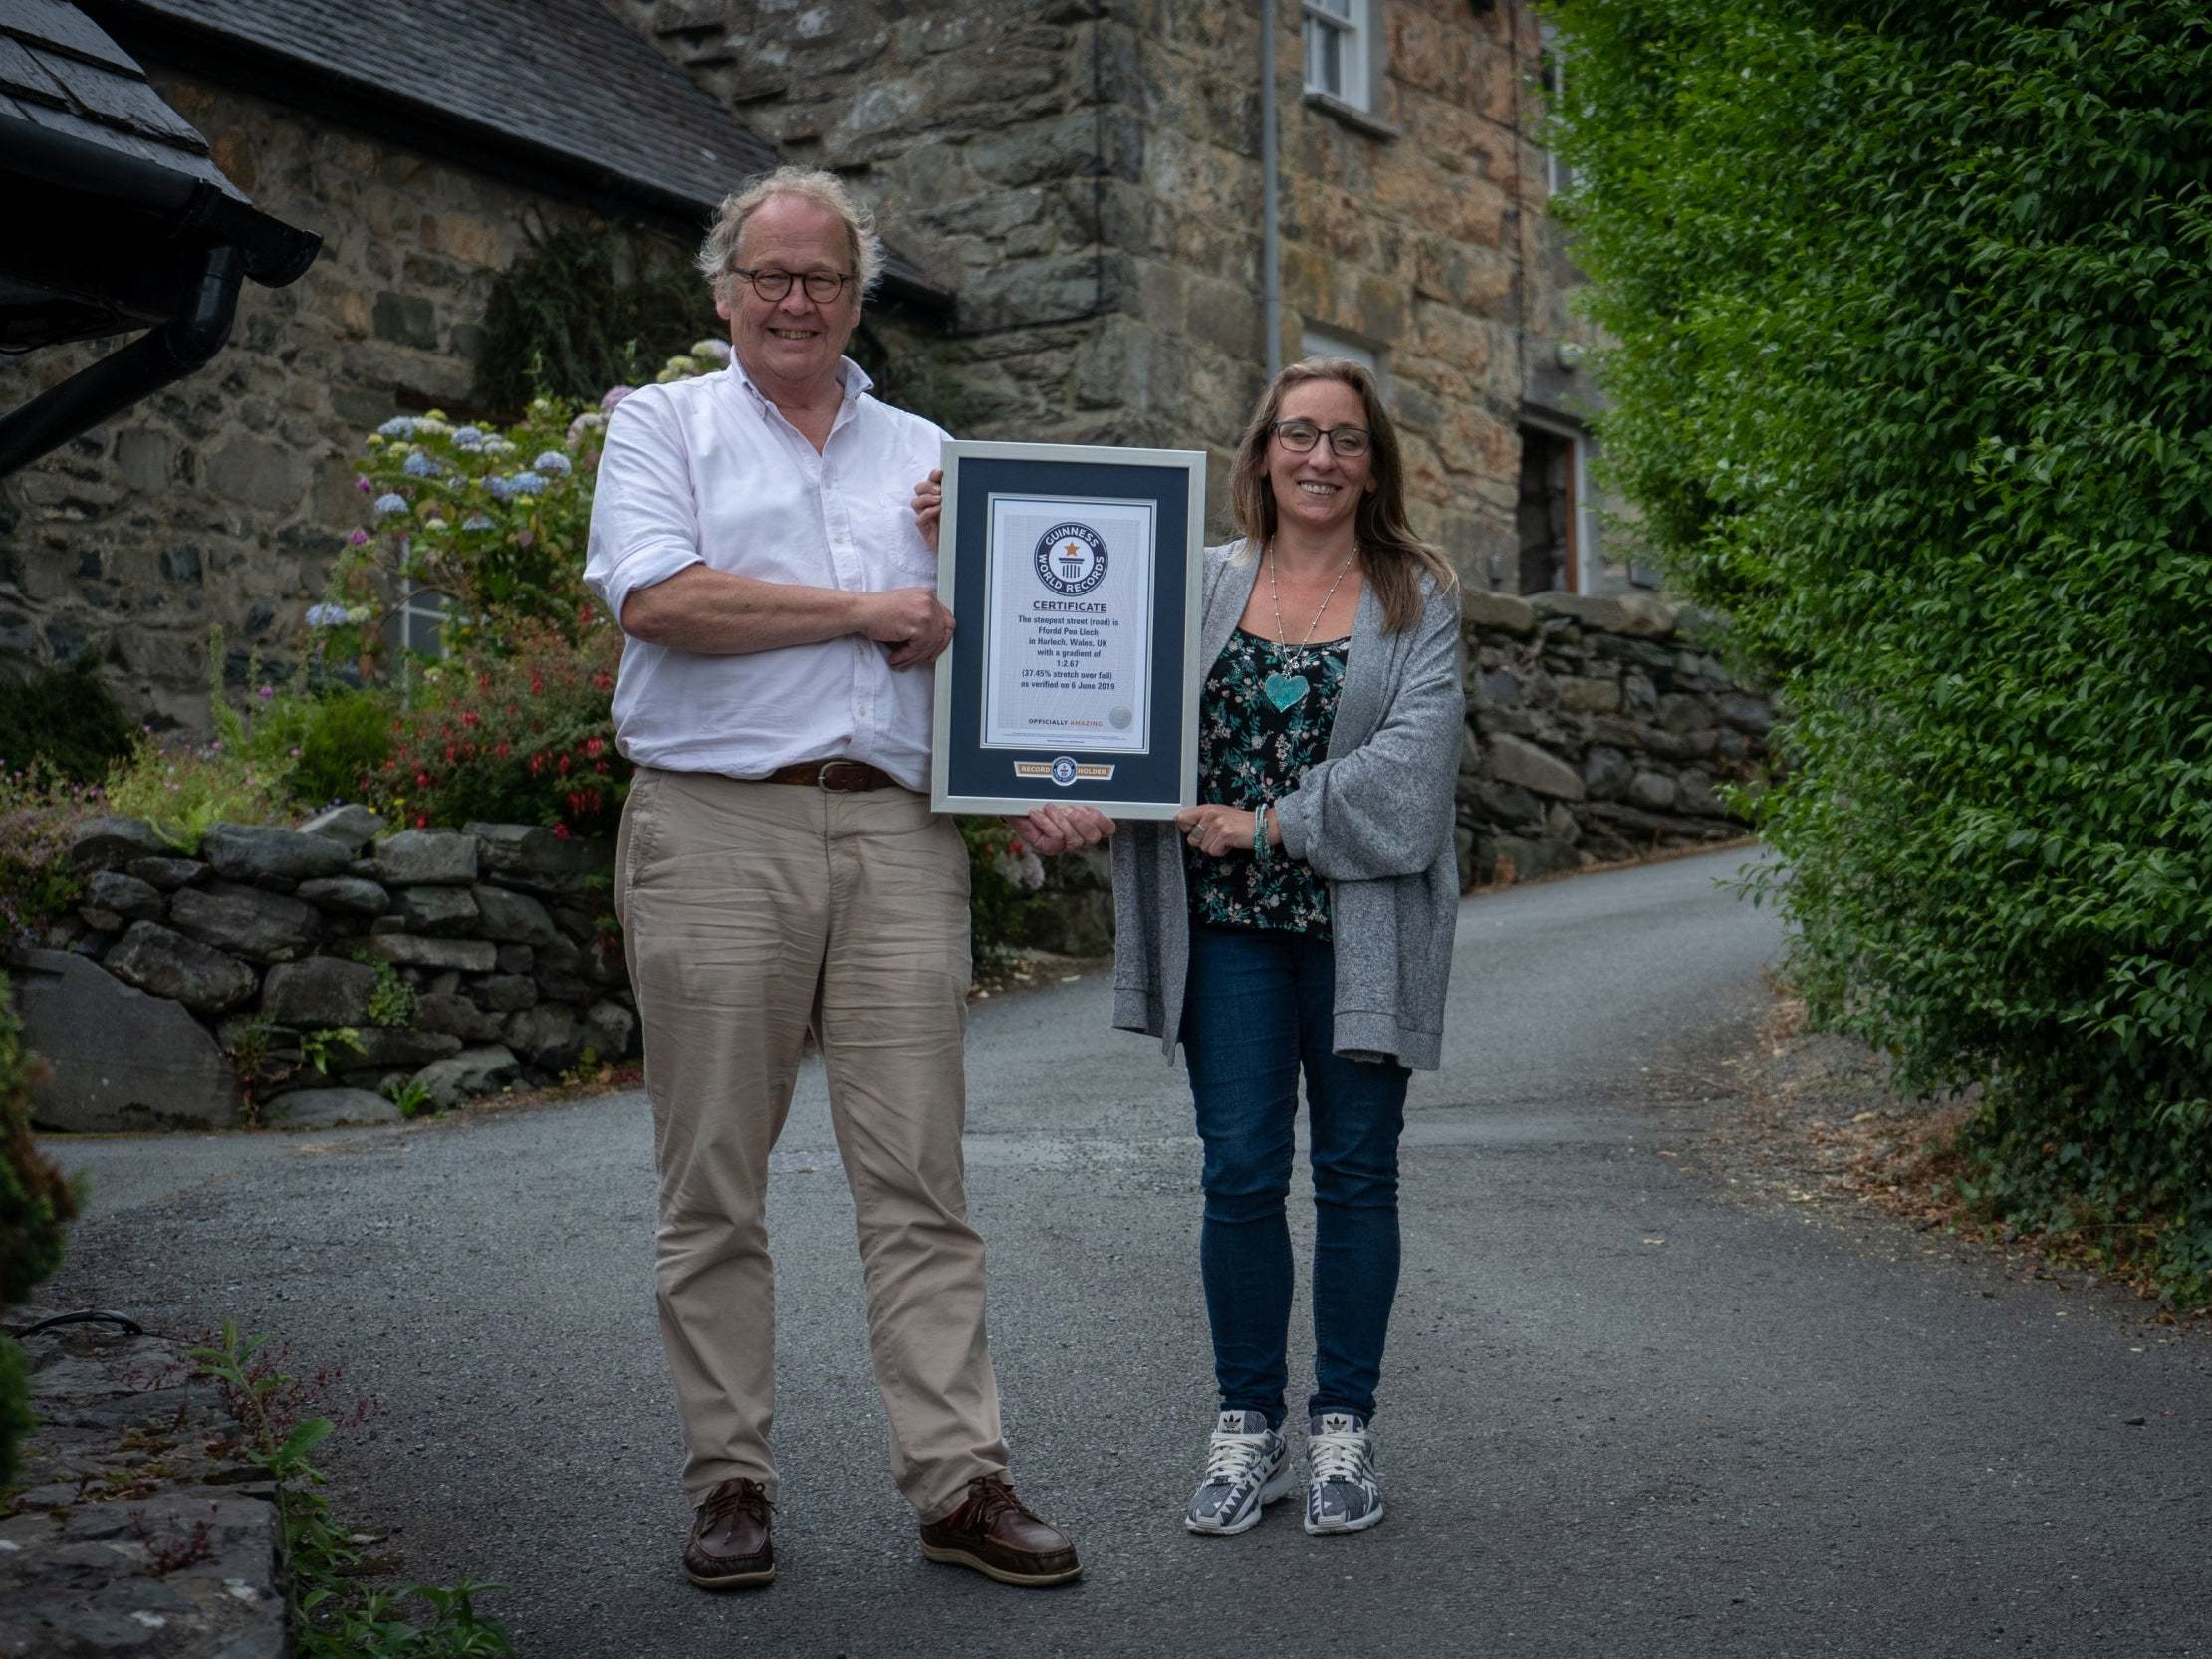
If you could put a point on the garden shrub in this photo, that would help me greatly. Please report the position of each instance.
(36, 1205)
(1913, 314)
(65, 718)
(38, 880)
(569, 318)
(525, 735)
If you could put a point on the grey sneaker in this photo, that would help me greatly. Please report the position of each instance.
(1248, 1466)
(1343, 1488)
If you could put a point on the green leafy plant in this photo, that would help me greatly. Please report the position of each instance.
(413, 1098)
(335, 1616)
(569, 317)
(1913, 323)
(36, 1204)
(38, 880)
(185, 789)
(1003, 880)
(319, 1047)
(63, 717)
(392, 999)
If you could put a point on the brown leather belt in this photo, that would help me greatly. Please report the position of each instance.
(838, 777)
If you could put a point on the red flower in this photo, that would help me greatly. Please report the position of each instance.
(564, 765)
(470, 717)
(504, 750)
(536, 685)
(561, 832)
(593, 746)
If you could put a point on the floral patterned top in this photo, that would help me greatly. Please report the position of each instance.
(1258, 732)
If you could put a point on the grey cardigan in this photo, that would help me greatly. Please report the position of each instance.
(1374, 817)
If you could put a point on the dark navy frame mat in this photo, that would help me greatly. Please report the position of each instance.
(972, 770)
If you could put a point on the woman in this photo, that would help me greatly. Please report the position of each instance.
(1299, 919)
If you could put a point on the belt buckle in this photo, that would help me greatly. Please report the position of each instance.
(822, 779)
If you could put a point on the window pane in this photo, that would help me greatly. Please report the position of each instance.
(1323, 59)
(1336, 8)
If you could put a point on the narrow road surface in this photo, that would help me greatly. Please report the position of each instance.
(1625, 1412)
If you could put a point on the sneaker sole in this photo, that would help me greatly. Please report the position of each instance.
(1361, 1524)
(1026, 1581)
(1274, 1489)
(735, 1581)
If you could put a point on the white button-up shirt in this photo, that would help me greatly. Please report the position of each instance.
(708, 471)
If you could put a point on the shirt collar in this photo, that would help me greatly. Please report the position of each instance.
(856, 378)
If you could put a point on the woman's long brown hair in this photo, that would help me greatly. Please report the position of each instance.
(1392, 557)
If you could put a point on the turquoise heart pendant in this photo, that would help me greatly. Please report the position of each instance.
(1285, 691)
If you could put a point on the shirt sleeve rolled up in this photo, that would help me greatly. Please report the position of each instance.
(644, 512)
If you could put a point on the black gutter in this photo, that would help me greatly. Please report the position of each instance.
(155, 358)
(193, 210)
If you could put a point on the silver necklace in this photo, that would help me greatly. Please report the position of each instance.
(1285, 690)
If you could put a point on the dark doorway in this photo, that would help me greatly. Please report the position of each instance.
(1546, 514)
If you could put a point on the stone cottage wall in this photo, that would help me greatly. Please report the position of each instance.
(1086, 177)
(223, 498)
(183, 985)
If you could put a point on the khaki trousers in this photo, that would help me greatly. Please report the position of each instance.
(750, 913)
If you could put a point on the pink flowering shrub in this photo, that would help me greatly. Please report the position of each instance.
(521, 735)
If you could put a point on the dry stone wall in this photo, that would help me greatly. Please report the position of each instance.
(201, 992)
(1598, 728)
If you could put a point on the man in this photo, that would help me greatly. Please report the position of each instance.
(760, 535)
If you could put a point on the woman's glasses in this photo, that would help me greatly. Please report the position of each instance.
(821, 286)
(1298, 436)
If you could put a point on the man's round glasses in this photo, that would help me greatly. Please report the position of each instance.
(821, 285)
(1298, 436)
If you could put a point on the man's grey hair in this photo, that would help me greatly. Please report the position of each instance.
(825, 190)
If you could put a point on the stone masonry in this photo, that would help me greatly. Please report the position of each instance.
(1085, 175)
(201, 992)
(1598, 728)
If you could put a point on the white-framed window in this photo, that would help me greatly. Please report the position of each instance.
(1340, 50)
(1319, 343)
(1558, 177)
(418, 623)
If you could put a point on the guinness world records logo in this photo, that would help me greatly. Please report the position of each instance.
(1071, 558)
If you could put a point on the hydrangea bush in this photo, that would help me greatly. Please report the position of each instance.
(492, 520)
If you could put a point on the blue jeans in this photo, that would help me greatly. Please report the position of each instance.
(1259, 1009)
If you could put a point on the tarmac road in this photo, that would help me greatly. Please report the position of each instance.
(1625, 1412)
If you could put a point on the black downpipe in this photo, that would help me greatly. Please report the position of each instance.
(155, 360)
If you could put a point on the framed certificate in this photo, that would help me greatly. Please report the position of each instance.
(1072, 674)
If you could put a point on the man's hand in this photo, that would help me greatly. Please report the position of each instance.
(1215, 831)
(1051, 828)
(911, 622)
(929, 506)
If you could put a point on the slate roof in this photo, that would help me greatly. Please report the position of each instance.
(58, 71)
(563, 82)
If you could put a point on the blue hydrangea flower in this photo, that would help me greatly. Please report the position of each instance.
(390, 504)
(324, 616)
(552, 461)
(398, 426)
(419, 465)
(469, 437)
(498, 446)
(477, 521)
(526, 483)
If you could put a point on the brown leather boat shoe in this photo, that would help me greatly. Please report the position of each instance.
(729, 1547)
(992, 1533)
